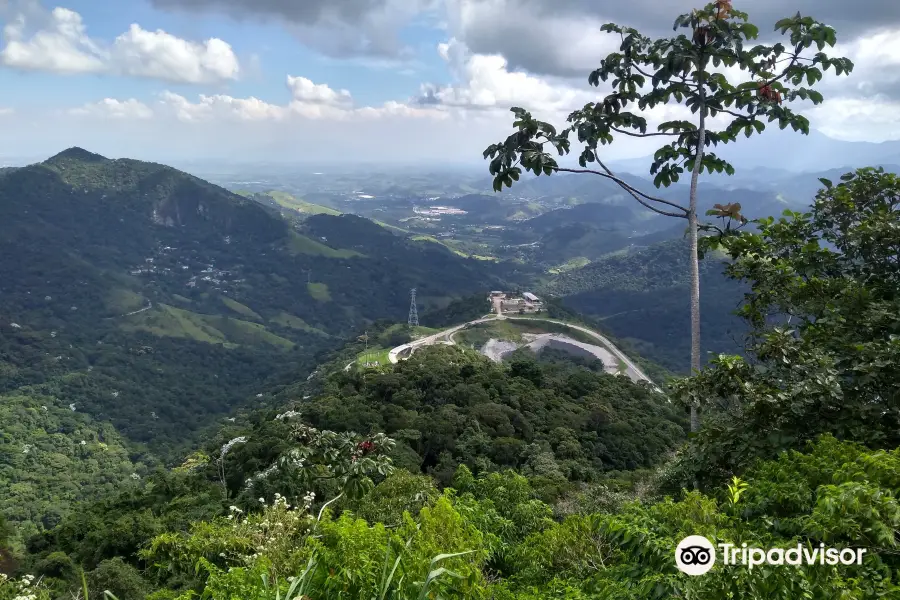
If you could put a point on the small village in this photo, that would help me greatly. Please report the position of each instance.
(168, 261)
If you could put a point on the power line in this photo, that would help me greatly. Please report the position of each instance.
(413, 319)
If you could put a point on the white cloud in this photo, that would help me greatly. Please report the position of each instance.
(874, 119)
(114, 109)
(62, 45)
(542, 41)
(876, 59)
(304, 90)
(160, 55)
(5, 111)
(309, 101)
(485, 81)
(219, 106)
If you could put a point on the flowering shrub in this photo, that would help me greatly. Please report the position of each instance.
(327, 462)
(24, 588)
(273, 536)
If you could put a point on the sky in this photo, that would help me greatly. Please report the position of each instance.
(406, 81)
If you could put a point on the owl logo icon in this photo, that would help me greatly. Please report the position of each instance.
(695, 555)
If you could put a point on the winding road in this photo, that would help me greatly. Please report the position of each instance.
(631, 370)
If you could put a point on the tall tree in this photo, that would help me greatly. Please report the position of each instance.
(688, 70)
(824, 352)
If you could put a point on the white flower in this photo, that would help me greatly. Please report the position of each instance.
(262, 500)
(228, 446)
(287, 415)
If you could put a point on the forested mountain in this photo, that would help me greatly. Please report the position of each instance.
(642, 298)
(137, 295)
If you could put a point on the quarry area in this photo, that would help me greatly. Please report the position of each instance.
(496, 349)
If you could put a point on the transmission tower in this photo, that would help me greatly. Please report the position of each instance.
(413, 320)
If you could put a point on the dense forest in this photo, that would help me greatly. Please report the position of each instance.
(450, 476)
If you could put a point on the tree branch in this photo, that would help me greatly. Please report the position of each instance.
(754, 72)
(643, 135)
(729, 112)
(635, 193)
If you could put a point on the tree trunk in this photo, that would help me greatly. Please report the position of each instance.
(695, 261)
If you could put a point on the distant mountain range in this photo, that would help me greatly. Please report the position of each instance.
(782, 154)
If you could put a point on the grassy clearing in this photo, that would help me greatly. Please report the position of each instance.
(168, 321)
(434, 240)
(288, 320)
(415, 332)
(319, 291)
(288, 201)
(374, 357)
(389, 226)
(121, 301)
(300, 244)
(478, 335)
(241, 309)
(570, 265)
(512, 330)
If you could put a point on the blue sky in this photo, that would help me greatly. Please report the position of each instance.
(285, 79)
(266, 47)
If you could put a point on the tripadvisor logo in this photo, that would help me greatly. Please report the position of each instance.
(696, 555)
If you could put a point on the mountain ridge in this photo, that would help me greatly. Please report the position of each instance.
(130, 271)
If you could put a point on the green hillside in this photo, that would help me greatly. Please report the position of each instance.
(288, 201)
(158, 304)
(642, 297)
(169, 321)
(301, 244)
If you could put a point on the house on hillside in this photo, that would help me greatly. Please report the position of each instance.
(509, 302)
